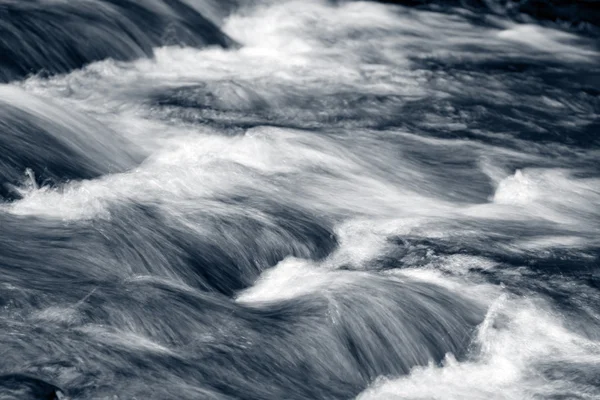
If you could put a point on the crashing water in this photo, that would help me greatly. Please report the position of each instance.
(299, 199)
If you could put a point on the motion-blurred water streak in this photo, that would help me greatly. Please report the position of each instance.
(299, 199)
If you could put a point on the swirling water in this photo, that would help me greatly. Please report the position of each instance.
(299, 199)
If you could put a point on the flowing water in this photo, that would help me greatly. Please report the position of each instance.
(300, 199)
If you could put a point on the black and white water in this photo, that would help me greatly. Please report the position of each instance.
(301, 199)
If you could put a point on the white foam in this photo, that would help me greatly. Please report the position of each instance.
(548, 40)
(292, 278)
(552, 194)
(289, 279)
(517, 189)
(288, 165)
(516, 341)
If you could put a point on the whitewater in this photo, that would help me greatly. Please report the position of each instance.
(299, 199)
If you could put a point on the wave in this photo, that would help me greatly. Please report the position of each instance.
(54, 145)
(219, 246)
(51, 37)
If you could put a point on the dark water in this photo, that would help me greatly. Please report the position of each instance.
(299, 199)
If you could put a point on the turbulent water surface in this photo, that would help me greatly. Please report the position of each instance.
(300, 199)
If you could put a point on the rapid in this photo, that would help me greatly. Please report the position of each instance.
(299, 199)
